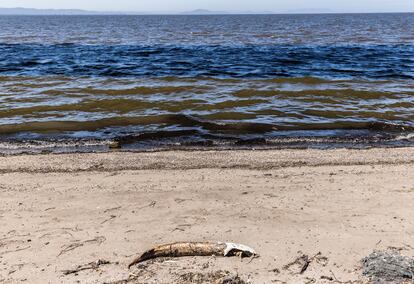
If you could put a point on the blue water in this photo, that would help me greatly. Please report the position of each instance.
(222, 61)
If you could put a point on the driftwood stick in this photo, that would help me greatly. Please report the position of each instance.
(194, 249)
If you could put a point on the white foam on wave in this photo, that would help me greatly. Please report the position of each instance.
(408, 136)
(36, 147)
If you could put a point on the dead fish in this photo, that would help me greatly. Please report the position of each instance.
(195, 249)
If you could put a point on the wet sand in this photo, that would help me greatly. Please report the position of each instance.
(61, 211)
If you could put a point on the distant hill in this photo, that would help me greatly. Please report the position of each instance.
(203, 12)
(310, 11)
(31, 11)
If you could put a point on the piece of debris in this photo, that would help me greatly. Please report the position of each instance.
(302, 262)
(99, 240)
(90, 266)
(329, 278)
(69, 248)
(309, 280)
(140, 276)
(152, 205)
(109, 219)
(217, 277)
(388, 266)
(275, 270)
(130, 279)
(15, 250)
(112, 209)
(196, 249)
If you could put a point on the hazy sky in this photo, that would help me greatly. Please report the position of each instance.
(219, 5)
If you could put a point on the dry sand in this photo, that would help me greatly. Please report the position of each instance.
(61, 211)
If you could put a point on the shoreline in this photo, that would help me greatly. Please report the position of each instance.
(60, 211)
(258, 159)
(138, 144)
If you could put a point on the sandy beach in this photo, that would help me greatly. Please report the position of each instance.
(59, 212)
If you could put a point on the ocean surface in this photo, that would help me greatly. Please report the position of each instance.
(91, 83)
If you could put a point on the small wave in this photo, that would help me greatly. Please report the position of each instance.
(245, 61)
(197, 140)
(408, 136)
(180, 121)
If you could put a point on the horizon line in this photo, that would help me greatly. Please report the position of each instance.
(195, 12)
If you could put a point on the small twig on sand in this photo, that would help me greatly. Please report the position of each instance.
(333, 275)
(152, 204)
(408, 246)
(70, 247)
(73, 246)
(252, 258)
(180, 227)
(329, 278)
(339, 281)
(16, 250)
(98, 240)
(302, 261)
(90, 266)
(109, 219)
(310, 280)
(14, 236)
(130, 279)
(112, 209)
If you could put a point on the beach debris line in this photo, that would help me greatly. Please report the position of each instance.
(90, 266)
(181, 249)
(216, 277)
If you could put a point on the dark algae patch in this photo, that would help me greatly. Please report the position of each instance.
(388, 267)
